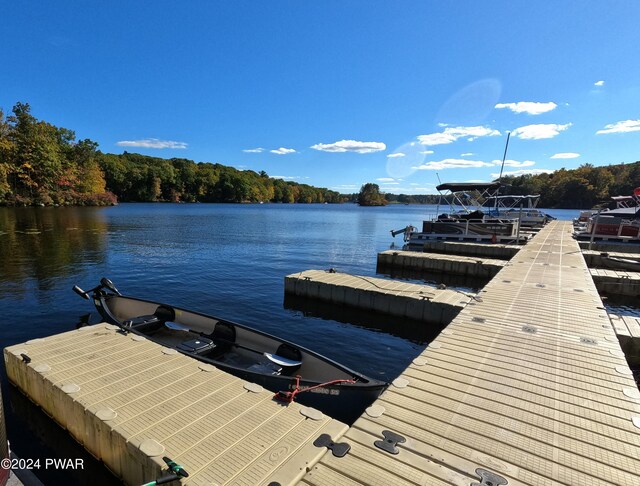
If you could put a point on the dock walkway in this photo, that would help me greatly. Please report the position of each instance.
(529, 384)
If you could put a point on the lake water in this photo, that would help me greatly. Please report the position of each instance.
(229, 260)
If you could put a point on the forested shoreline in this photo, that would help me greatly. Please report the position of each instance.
(41, 164)
(583, 188)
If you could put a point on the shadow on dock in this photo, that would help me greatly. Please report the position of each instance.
(410, 329)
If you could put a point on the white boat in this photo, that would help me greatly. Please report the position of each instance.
(620, 224)
(521, 207)
(465, 219)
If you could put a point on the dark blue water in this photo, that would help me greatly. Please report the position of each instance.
(223, 259)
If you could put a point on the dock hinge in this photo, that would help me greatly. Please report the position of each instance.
(339, 449)
(488, 478)
(586, 340)
(391, 439)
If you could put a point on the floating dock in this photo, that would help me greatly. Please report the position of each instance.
(130, 402)
(627, 329)
(497, 250)
(413, 261)
(610, 246)
(391, 297)
(528, 386)
(617, 282)
(595, 259)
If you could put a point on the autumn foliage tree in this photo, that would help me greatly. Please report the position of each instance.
(43, 164)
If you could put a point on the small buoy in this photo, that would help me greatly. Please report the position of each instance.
(442, 287)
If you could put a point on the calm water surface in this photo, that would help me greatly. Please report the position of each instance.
(222, 259)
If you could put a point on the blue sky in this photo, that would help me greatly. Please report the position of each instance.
(336, 93)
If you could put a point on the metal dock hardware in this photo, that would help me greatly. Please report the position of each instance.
(339, 449)
(587, 340)
(391, 439)
(488, 478)
(529, 329)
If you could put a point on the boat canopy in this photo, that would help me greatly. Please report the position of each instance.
(512, 201)
(468, 186)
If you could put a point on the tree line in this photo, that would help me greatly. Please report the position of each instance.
(43, 164)
(582, 188)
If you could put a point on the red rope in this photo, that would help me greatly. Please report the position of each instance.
(289, 396)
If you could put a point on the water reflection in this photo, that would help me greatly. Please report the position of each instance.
(39, 245)
(415, 331)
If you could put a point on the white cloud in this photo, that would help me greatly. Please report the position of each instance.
(537, 132)
(523, 172)
(389, 183)
(283, 151)
(529, 107)
(254, 151)
(599, 83)
(426, 152)
(287, 178)
(350, 146)
(385, 179)
(514, 163)
(153, 143)
(451, 134)
(565, 155)
(453, 164)
(621, 127)
(469, 164)
(397, 154)
(467, 154)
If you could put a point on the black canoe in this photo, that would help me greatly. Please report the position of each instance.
(247, 353)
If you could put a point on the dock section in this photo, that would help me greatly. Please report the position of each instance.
(627, 329)
(527, 386)
(130, 402)
(616, 282)
(498, 250)
(595, 259)
(396, 298)
(420, 262)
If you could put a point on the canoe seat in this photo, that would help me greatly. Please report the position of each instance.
(153, 322)
(286, 356)
(282, 361)
(143, 324)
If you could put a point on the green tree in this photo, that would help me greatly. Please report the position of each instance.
(370, 195)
